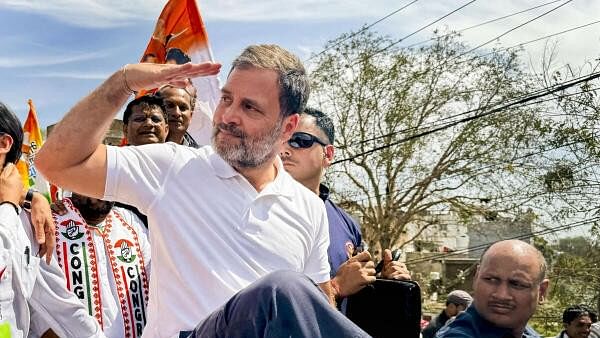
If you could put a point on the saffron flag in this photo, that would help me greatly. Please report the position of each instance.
(180, 37)
(32, 141)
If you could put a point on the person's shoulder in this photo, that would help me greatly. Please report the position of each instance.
(152, 150)
(531, 333)
(462, 326)
(352, 224)
(302, 191)
(330, 204)
(174, 151)
(132, 219)
(595, 330)
(301, 195)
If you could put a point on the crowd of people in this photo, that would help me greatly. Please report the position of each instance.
(169, 237)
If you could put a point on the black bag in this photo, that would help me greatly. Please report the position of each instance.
(387, 308)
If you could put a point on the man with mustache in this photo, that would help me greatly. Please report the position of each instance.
(179, 104)
(306, 156)
(145, 121)
(224, 218)
(577, 321)
(509, 283)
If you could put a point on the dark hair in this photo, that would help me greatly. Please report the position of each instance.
(573, 312)
(294, 87)
(145, 102)
(178, 56)
(593, 314)
(10, 124)
(323, 122)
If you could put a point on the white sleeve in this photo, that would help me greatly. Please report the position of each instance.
(9, 221)
(135, 174)
(317, 266)
(54, 306)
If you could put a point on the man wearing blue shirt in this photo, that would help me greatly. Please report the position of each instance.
(305, 156)
(509, 283)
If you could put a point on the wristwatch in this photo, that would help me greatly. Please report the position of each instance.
(28, 198)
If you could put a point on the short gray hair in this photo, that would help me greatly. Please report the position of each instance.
(294, 87)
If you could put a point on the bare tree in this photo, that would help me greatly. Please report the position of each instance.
(383, 98)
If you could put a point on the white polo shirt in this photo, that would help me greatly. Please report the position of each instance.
(212, 233)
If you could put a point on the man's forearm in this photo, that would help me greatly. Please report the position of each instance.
(73, 157)
(77, 136)
(80, 132)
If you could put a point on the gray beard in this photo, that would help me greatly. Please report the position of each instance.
(251, 152)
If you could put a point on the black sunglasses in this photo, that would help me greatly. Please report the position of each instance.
(304, 140)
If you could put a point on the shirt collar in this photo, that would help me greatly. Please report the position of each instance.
(281, 185)
(527, 333)
(219, 166)
(323, 192)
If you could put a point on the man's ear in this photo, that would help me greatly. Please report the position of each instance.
(6, 142)
(543, 290)
(289, 126)
(328, 152)
(125, 131)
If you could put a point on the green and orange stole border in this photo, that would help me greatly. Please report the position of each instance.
(77, 256)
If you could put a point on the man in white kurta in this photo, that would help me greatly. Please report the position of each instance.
(105, 257)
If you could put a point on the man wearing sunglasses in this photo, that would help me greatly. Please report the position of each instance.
(305, 156)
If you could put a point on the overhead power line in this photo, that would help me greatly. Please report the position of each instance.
(417, 31)
(511, 30)
(542, 93)
(484, 55)
(472, 49)
(542, 38)
(363, 29)
(452, 117)
(478, 169)
(485, 23)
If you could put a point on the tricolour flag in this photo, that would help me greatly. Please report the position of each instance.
(32, 141)
(179, 37)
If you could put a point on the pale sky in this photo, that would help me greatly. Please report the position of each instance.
(56, 51)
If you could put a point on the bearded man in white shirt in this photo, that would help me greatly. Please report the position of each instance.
(223, 218)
